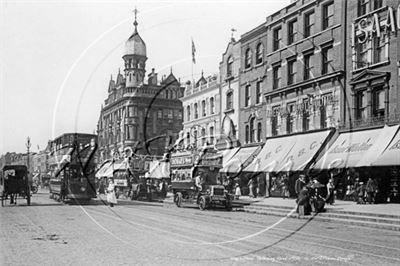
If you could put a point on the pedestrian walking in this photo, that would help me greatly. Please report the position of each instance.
(300, 183)
(250, 184)
(371, 189)
(330, 198)
(238, 193)
(285, 187)
(303, 202)
(111, 198)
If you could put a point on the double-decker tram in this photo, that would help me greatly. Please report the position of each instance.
(72, 162)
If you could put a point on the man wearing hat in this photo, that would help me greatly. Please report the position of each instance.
(300, 183)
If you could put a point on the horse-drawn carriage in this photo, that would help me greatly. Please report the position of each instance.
(14, 183)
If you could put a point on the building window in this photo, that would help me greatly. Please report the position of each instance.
(203, 107)
(276, 75)
(308, 66)
(361, 105)
(327, 58)
(259, 132)
(212, 105)
(274, 120)
(247, 133)
(229, 100)
(258, 92)
(203, 136)
(362, 55)
(378, 4)
(159, 113)
(132, 111)
(188, 113)
(327, 15)
(309, 24)
(378, 102)
(292, 31)
(247, 95)
(211, 135)
(229, 66)
(323, 109)
(277, 38)
(306, 115)
(290, 117)
(379, 49)
(170, 114)
(252, 130)
(362, 7)
(259, 53)
(196, 111)
(247, 63)
(292, 71)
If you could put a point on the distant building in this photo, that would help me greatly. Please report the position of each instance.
(229, 70)
(145, 117)
(201, 105)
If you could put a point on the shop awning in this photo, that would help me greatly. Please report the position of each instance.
(108, 168)
(356, 149)
(237, 163)
(303, 151)
(227, 155)
(271, 155)
(159, 170)
(391, 155)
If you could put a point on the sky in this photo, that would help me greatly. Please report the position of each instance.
(57, 57)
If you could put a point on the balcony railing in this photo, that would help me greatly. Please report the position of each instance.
(392, 118)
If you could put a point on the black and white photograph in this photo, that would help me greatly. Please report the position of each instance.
(200, 132)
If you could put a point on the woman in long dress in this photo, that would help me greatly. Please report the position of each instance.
(111, 198)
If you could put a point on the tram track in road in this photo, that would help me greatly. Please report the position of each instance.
(156, 230)
(245, 222)
(253, 245)
(304, 236)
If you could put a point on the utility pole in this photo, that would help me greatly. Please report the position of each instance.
(28, 146)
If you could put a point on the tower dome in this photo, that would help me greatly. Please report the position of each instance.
(135, 44)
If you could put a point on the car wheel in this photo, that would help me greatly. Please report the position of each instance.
(202, 203)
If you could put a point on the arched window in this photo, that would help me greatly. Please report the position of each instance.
(252, 130)
(212, 105)
(203, 107)
(247, 62)
(259, 132)
(188, 113)
(259, 53)
(229, 100)
(196, 111)
(229, 66)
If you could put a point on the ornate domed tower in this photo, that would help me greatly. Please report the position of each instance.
(135, 58)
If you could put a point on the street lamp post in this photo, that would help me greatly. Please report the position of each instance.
(28, 146)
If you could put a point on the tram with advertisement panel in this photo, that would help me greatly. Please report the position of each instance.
(72, 162)
(206, 162)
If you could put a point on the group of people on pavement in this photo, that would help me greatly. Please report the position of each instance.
(311, 196)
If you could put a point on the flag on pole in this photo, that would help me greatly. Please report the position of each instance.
(193, 52)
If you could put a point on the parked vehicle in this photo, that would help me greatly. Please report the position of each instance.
(14, 183)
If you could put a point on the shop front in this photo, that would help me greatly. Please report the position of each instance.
(358, 156)
(283, 158)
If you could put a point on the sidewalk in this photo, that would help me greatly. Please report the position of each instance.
(382, 216)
